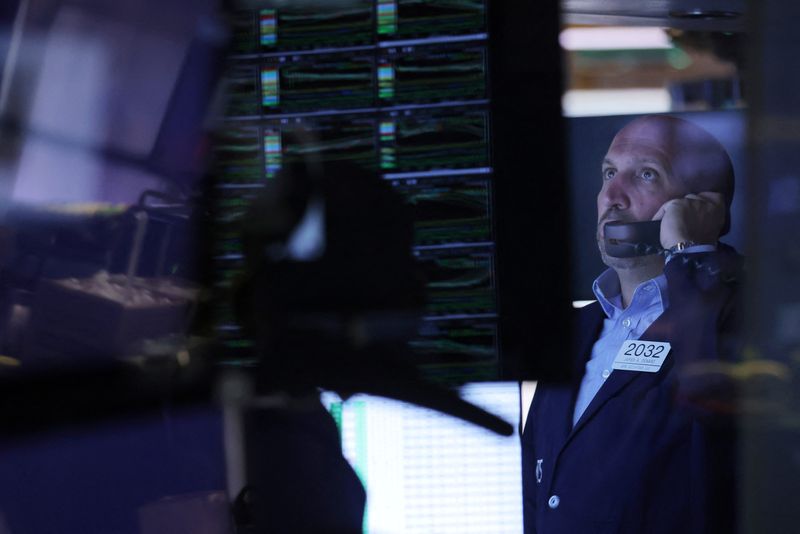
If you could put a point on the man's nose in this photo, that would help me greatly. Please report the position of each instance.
(614, 193)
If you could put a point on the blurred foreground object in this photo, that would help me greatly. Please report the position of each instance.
(336, 314)
(196, 513)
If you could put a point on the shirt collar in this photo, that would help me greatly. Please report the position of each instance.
(607, 290)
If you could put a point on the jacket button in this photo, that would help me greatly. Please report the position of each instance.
(553, 502)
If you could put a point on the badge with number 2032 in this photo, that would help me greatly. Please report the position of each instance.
(644, 356)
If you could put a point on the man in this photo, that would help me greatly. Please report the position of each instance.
(638, 448)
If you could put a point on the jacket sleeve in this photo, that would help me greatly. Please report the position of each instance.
(706, 287)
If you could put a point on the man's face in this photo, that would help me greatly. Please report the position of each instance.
(637, 179)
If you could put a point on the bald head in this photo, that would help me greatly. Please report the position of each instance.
(696, 159)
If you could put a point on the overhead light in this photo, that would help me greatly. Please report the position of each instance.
(614, 38)
(595, 102)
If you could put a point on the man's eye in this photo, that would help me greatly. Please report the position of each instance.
(648, 175)
(609, 173)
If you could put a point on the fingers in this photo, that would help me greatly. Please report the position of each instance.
(659, 214)
(715, 199)
(710, 196)
(664, 207)
(696, 217)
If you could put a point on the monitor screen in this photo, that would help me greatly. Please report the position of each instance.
(426, 472)
(414, 92)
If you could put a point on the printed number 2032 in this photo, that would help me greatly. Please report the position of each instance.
(644, 350)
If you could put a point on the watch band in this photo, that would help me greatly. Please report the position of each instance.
(680, 246)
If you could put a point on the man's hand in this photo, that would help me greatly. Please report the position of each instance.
(696, 217)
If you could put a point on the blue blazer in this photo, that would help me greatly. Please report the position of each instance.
(653, 452)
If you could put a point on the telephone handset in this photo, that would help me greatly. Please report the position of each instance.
(630, 239)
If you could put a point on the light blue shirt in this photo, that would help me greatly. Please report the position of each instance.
(648, 303)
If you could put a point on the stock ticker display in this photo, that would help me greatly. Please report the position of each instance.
(399, 87)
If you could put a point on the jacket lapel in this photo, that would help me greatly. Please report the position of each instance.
(588, 324)
(660, 330)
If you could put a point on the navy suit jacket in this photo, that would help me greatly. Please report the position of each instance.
(652, 453)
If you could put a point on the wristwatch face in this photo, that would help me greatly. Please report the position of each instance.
(680, 246)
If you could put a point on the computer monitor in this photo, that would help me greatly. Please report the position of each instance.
(446, 101)
(426, 472)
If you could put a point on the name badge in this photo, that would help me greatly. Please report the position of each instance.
(645, 356)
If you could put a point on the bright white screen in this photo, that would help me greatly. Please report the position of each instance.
(429, 473)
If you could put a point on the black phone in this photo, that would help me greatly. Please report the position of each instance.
(630, 239)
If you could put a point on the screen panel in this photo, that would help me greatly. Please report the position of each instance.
(413, 18)
(426, 472)
(317, 82)
(418, 74)
(425, 93)
(449, 210)
(399, 88)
